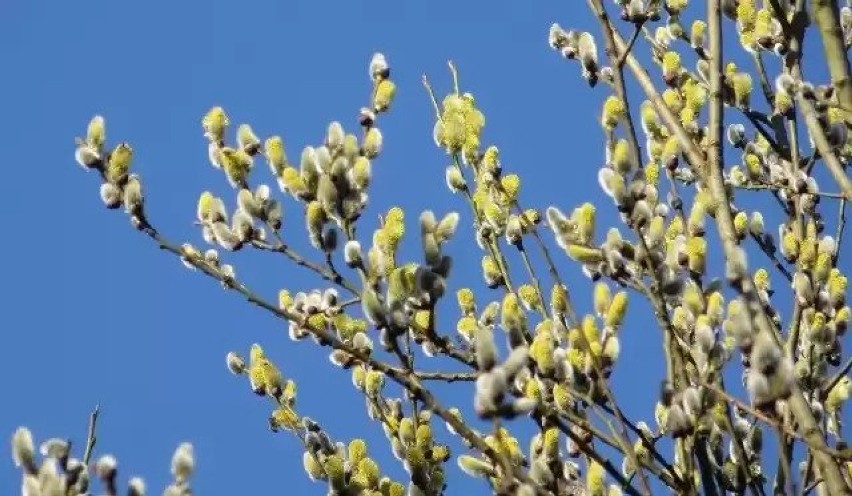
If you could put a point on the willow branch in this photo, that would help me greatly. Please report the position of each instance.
(837, 378)
(446, 376)
(327, 273)
(590, 451)
(825, 16)
(404, 378)
(91, 436)
(821, 141)
(841, 454)
(724, 220)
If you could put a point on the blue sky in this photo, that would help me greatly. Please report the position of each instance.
(96, 314)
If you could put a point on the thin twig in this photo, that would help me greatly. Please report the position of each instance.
(763, 187)
(446, 376)
(841, 227)
(621, 58)
(845, 454)
(91, 436)
(327, 273)
(589, 451)
(836, 379)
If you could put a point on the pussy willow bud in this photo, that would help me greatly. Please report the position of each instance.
(455, 179)
(379, 68)
(588, 53)
(486, 351)
(136, 487)
(23, 449)
(373, 143)
(247, 140)
(352, 254)
(214, 123)
(491, 272)
(86, 156)
(446, 228)
(183, 462)
(802, 288)
(475, 467)
(373, 308)
(736, 135)
(742, 86)
(736, 266)
(697, 34)
(106, 467)
(385, 92)
(235, 363)
(111, 195)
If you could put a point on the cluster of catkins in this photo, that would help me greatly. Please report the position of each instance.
(58, 473)
(547, 464)
(411, 290)
(554, 366)
(265, 379)
(324, 320)
(213, 217)
(347, 468)
(331, 179)
(458, 130)
(579, 46)
(412, 442)
(119, 186)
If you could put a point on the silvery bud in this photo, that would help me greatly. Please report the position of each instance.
(111, 195)
(235, 363)
(23, 449)
(352, 254)
(183, 462)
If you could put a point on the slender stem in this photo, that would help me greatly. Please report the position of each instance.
(828, 156)
(327, 273)
(623, 57)
(841, 227)
(770, 187)
(825, 14)
(844, 455)
(446, 376)
(528, 266)
(764, 80)
(754, 487)
(590, 451)
(836, 379)
(707, 479)
(91, 436)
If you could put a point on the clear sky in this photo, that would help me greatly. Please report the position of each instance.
(95, 314)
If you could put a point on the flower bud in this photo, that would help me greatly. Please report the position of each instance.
(384, 95)
(352, 254)
(86, 156)
(136, 487)
(372, 143)
(214, 123)
(379, 68)
(23, 449)
(235, 363)
(475, 467)
(183, 463)
(247, 140)
(106, 467)
(455, 179)
(486, 351)
(111, 195)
